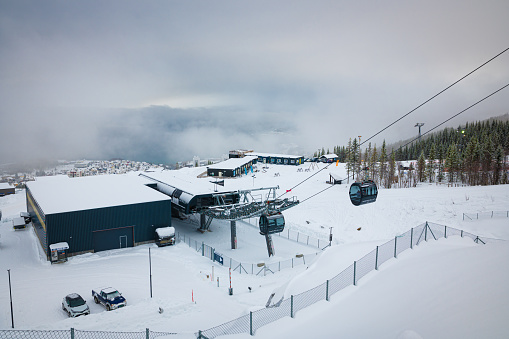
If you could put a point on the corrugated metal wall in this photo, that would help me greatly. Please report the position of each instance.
(38, 219)
(76, 228)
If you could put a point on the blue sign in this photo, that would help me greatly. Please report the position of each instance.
(218, 258)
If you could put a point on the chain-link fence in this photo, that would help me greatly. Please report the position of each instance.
(78, 334)
(242, 267)
(485, 215)
(349, 276)
(303, 239)
(249, 323)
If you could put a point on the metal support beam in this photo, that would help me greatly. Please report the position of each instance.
(270, 245)
(202, 221)
(233, 228)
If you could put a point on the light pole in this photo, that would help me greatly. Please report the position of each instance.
(419, 124)
(150, 267)
(10, 295)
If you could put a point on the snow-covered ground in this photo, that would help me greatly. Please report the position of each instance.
(451, 288)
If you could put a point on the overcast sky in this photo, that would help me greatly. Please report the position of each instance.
(164, 81)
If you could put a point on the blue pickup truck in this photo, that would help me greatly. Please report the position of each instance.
(109, 297)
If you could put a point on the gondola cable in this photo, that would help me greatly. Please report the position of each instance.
(427, 132)
(413, 110)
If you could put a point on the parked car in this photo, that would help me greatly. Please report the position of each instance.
(109, 298)
(165, 236)
(18, 223)
(74, 305)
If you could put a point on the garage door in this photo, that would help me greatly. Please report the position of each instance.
(113, 238)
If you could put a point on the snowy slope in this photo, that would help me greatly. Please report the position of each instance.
(450, 288)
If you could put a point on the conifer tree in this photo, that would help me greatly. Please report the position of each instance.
(498, 165)
(373, 168)
(383, 165)
(430, 166)
(421, 167)
(440, 163)
(392, 169)
(348, 160)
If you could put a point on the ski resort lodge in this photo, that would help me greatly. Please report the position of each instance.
(232, 167)
(6, 189)
(269, 158)
(96, 213)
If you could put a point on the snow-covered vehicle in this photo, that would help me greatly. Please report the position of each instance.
(165, 236)
(74, 305)
(18, 223)
(109, 297)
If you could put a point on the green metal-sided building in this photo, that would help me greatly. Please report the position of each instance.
(96, 213)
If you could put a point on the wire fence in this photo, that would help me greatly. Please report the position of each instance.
(348, 277)
(242, 267)
(303, 239)
(288, 307)
(485, 215)
(79, 334)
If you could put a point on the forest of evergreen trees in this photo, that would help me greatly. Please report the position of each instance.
(474, 154)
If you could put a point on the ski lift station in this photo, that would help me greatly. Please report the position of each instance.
(104, 212)
(96, 213)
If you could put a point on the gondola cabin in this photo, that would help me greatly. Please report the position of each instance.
(363, 192)
(270, 223)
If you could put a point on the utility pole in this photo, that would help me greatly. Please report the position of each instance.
(419, 124)
(150, 267)
(10, 294)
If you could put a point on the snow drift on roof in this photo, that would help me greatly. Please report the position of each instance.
(233, 163)
(59, 194)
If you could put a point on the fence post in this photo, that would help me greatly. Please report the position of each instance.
(426, 232)
(445, 232)
(72, 333)
(395, 245)
(412, 238)
(327, 291)
(354, 269)
(251, 323)
(147, 333)
(291, 306)
(202, 249)
(376, 259)
(462, 233)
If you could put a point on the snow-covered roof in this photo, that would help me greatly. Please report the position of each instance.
(59, 246)
(184, 179)
(273, 155)
(59, 194)
(165, 231)
(329, 156)
(18, 221)
(4, 185)
(108, 290)
(233, 163)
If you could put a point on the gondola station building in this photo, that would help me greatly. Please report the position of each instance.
(96, 213)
